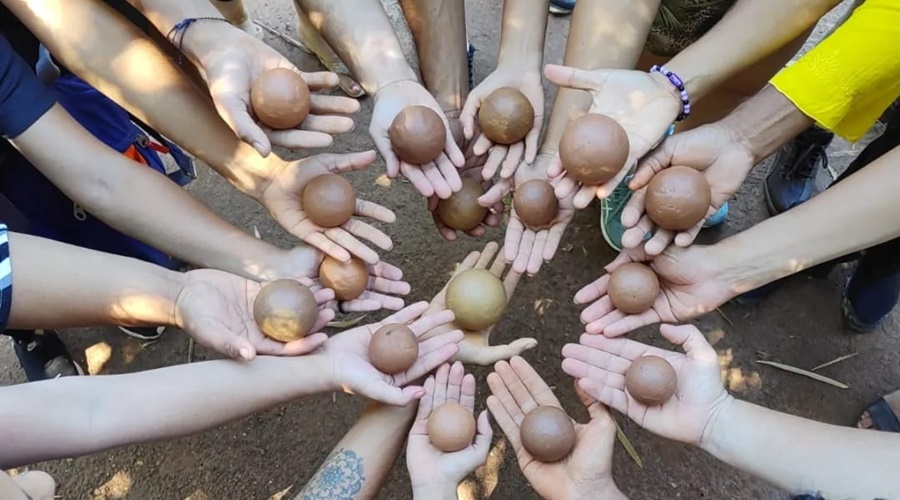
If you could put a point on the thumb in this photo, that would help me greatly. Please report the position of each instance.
(652, 164)
(495, 194)
(691, 340)
(386, 393)
(483, 439)
(238, 347)
(236, 115)
(467, 115)
(337, 163)
(574, 78)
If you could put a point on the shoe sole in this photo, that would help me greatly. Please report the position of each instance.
(132, 334)
(769, 205)
(559, 11)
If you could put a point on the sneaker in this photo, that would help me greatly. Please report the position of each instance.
(793, 176)
(143, 332)
(868, 299)
(562, 7)
(611, 215)
(43, 355)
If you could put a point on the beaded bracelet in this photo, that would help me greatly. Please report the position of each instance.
(181, 28)
(679, 84)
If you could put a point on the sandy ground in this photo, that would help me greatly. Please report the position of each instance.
(263, 455)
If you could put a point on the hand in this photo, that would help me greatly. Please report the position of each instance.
(526, 248)
(527, 82)
(475, 349)
(231, 60)
(283, 198)
(348, 355)
(599, 364)
(587, 472)
(216, 309)
(439, 177)
(431, 470)
(644, 104)
(690, 285)
(711, 149)
(28, 485)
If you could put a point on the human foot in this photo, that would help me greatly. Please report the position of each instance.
(882, 414)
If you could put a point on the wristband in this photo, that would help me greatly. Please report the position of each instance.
(679, 84)
(175, 36)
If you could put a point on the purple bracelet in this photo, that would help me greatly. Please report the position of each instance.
(679, 84)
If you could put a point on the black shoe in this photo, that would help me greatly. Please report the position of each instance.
(793, 176)
(43, 355)
(143, 332)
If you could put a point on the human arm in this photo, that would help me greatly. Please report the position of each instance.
(364, 456)
(362, 35)
(586, 472)
(798, 455)
(435, 474)
(518, 67)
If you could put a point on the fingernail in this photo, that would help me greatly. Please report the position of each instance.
(245, 353)
(259, 148)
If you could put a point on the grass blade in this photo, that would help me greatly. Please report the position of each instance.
(626, 443)
(805, 373)
(834, 361)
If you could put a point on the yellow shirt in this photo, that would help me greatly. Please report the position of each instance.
(847, 81)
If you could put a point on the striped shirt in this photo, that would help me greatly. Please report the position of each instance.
(5, 278)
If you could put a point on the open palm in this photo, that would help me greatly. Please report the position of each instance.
(348, 354)
(688, 287)
(599, 364)
(644, 105)
(475, 348)
(284, 195)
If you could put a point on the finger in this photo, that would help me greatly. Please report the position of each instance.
(330, 248)
(537, 253)
(581, 370)
(441, 378)
(348, 241)
(484, 436)
(574, 78)
(437, 181)
(630, 323)
(482, 144)
(634, 208)
(305, 345)
(319, 80)
(390, 286)
(513, 158)
(613, 398)
(381, 301)
(386, 393)
(633, 237)
(536, 386)
(554, 236)
(427, 401)
(325, 315)
(417, 178)
(593, 290)
(651, 164)
(510, 283)
(444, 230)
(658, 243)
(234, 112)
(301, 139)
(449, 172)
(554, 168)
(387, 271)
(431, 321)
(488, 355)
(432, 353)
(405, 315)
(514, 232)
(323, 104)
(467, 115)
(584, 196)
(526, 246)
(391, 162)
(621, 347)
(499, 264)
(454, 383)
(368, 232)
(452, 151)
(598, 325)
(477, 231)
(239, 347)
(691, 340)
(467, 392)
(484, 258)
(506, 422)
(494, 160)
(374, 211)
(531, 140)
(501, 392)
(596, 358)
(339, 163)
(607, 188)
(685, 238)
(565, 186)
(516, 387)
(597, 311)
(495, 194)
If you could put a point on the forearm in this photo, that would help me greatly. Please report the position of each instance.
(373, 444)
(117, 59)
(444, 492)
(845, 218)
(765, 122)
(361, 33)
(603, 34)
(439, 30)
(137, 200)
(750, 31)
(92, 414)
(523, 32)
(57, 285)
(803, 456)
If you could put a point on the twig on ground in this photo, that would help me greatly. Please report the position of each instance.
(805, 373)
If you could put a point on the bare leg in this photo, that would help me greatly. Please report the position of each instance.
(236, 13)
(603, 34)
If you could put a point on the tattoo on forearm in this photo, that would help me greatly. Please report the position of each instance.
(340, 477)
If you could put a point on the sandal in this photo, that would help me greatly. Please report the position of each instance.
(883, 417)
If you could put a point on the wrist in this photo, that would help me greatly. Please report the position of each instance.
(675, 104)
(718, 426)
(520, 61)
(390, 80)
(435, 491)
(155, 303)
(606, 490)
(202, 36)
(321, 364)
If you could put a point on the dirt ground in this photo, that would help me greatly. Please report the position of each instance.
(263, 455)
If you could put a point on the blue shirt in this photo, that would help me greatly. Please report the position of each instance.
(23, 98)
